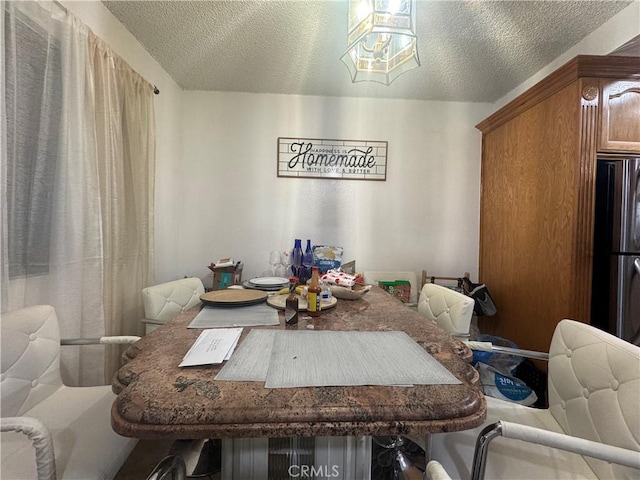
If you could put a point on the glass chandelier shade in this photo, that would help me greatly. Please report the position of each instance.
(382, 42)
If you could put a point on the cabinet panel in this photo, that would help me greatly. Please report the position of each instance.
(620, 116)
(530, 197)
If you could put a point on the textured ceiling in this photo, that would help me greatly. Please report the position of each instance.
(470, 51)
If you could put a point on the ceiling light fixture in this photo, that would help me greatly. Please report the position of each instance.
(382, 40)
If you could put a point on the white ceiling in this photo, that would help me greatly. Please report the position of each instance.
(470, 51)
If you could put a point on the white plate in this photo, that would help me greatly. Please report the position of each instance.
(269, 281)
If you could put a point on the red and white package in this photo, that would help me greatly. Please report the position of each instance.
(337, 277)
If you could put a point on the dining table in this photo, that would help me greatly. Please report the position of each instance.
(158, 399)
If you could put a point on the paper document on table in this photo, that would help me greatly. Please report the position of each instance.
(213, 346)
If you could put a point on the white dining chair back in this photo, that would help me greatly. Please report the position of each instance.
(451, 310)
(594, 387)
(165, 301)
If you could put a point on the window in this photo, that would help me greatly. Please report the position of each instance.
(33, 109)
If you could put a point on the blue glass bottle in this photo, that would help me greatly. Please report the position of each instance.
(307, 262)
(296, 259)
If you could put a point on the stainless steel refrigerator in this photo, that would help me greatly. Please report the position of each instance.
(615, 304)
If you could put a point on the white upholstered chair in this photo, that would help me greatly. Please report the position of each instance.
(594, 408)
(451, 310)
(50, 430)
(165, 301)
(373, 277)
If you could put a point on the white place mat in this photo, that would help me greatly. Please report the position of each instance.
(250, 361)
(329, 358)
(247, 316)
(286, 359)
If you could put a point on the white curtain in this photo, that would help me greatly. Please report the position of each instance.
(77, 181)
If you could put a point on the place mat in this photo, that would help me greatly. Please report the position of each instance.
(286, 359)
(250, 361)
(279, 302)
(233, 297)
(242, 316)
(329, 358)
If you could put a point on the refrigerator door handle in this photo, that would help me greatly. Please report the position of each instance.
(636, 264)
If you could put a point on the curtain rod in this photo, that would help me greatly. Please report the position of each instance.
(156, 91)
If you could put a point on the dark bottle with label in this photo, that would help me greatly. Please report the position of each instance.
(314, 294)
(291, 304)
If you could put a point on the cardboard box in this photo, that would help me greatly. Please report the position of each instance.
(400, 289)
(225, 276)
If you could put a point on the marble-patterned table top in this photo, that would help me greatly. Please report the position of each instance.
(158, 399)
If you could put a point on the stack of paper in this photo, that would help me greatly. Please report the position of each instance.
(213, 346)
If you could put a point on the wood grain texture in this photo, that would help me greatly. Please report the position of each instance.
(582, 66)
(583, 246)
(528, 227)
(620, 116)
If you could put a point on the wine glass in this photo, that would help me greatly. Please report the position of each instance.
(274, 261)
(285, 258)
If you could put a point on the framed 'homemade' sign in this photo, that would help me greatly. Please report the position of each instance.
(336, 159)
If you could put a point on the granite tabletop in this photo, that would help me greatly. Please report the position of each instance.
(158, 399)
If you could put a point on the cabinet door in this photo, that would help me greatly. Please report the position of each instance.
(620, 116)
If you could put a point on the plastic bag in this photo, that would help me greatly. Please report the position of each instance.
(502, 362)
(505, 387)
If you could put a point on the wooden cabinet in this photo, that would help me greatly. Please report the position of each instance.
(537, 193)
(620, 116)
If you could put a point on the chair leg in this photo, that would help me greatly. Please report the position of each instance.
(202, 458)
(482, 449)
(171, 467)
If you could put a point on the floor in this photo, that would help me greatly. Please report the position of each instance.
(143, 459)
(147, 454)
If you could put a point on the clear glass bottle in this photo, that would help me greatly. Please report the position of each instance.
(325, 294)
(291, 304)
(314, 292)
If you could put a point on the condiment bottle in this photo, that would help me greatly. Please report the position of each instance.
(291, 304)
(314, 294)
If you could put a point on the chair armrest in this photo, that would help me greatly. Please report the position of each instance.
(435, 471)
(518, 352)
(112, 340)
(526, 433)
(41, 440)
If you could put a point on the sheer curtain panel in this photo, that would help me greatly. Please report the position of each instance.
(76, 181)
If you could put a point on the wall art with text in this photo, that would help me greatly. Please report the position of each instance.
(334, 159)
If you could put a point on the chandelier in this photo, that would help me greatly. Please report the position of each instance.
(382, 40)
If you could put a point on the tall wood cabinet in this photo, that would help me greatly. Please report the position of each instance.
(537, 194)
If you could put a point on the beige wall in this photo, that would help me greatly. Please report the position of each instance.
(425, 215)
